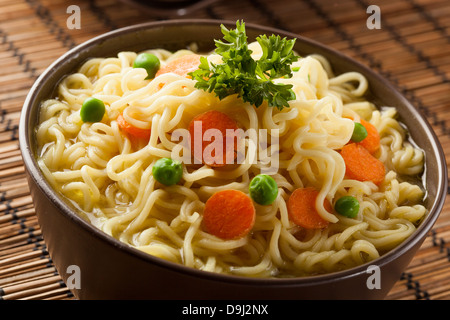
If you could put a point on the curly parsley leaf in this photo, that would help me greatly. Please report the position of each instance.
(240, 74)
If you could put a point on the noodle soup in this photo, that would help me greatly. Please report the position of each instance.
(307, 155)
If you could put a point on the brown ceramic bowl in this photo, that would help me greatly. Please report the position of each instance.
(110, 269)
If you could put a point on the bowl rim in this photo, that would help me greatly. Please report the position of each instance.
(31, 166)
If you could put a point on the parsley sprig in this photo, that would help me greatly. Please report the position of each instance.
(240, 74)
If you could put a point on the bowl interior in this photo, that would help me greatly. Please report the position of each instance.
(173, 35)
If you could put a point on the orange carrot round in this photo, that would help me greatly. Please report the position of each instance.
(181, 66)
(229, 214)
(213, 120)
(302, 209)
(372, 141)
(132, 130)
(361, 165)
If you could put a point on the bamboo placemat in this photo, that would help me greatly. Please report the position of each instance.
(411, 49)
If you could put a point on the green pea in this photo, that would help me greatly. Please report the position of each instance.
(167, 171)
(92, 110)
(347, 206)
(359, 132)
(263, 189)
(149, 62)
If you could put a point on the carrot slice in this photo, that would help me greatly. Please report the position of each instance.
(302, 209)
(361, 165)
(372, 141)
(213, 120)
(132, 130)
(181, 66)
(229, 214)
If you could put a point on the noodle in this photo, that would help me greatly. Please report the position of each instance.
(108, 177)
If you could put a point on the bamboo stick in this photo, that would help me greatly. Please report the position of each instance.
(19, 249)
(29, 285)
(28, 293)
(57, 292)
(28, 275)
(21, 267)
